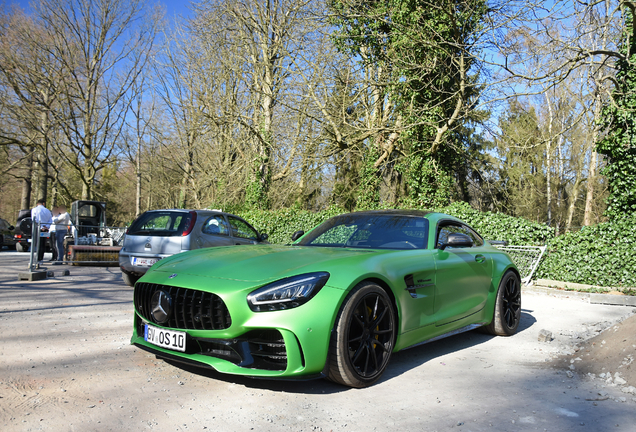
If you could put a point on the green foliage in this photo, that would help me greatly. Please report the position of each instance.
(282, 223)
(522, 156)
(619, 144)
(597, 255)
(369, 187)
(421, 55)
(499, 226)
(258, 186)
(427, 186)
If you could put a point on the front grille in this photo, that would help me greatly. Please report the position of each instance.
(267, 348)
(191, 309)
(257, 349)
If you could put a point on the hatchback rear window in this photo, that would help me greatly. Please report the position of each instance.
(162, 224)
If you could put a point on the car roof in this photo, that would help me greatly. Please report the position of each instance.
(431, 215)
(428, 214)
(198, 211)
(397, 212)
(187, 211)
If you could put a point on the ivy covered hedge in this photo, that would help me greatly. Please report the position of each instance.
(281, 224)
(498, 226)
(600, 255)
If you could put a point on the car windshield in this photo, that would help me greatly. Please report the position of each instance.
(161, 223)
(371, 231)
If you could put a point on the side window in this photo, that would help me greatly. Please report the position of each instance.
(242, 229)
(478, 241)
(444, 231)
(216, 225)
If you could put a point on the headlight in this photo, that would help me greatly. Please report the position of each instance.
(287, 293)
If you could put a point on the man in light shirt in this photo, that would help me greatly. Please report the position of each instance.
(62, 220)
(41, 215)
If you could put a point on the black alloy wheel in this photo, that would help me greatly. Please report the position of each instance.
(507, 314)
(511, 303)
(364, 337)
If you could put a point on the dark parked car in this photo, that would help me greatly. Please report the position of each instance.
(157, 234)
(6, 231)
(22, 231)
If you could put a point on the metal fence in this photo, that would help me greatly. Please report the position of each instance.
(526, 258)
(83, 245)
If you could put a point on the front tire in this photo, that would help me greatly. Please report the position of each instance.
(507, 313)
(363, 337)
(130, 279)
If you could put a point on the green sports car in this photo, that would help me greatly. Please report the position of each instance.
(336, 303)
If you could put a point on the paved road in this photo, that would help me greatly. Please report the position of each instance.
(66, 364)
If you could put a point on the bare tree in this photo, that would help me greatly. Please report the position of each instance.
(143, 110)
(255, 49)
(28, 74)
(551, 46)
(102, 47)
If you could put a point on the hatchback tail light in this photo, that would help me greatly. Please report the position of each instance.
(193, 220)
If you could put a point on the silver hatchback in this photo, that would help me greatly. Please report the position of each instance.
(157, 234)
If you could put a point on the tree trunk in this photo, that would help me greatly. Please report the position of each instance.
(591, 178)
(41, 173)
(548, 168)
(138, 163)
(573, 199)
(589, 198)
(26, 185)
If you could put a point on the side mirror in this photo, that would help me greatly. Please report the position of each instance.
(297, 235)
(263, 237)
(11, 228)
(457, 240)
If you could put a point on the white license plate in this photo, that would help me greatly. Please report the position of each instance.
(143, 262)
(174, 340)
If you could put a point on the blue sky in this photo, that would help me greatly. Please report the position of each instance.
(173, 7)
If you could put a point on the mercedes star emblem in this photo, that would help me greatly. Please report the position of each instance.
(161, 306)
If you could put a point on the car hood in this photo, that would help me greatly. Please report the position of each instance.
(256, 263)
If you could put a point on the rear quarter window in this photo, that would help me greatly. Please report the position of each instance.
(163, 224)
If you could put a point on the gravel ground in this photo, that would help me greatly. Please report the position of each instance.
(66, 365)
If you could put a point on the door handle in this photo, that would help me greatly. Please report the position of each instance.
(480, 258)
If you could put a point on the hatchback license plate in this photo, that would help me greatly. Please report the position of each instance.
(144, 262)
(174, 340)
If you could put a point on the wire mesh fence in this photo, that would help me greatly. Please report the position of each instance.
(526, 258)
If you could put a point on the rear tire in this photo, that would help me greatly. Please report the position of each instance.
(130, 279)
(507, 313)
(363, 337)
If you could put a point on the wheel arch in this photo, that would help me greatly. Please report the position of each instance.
(389, 291)
(334, 368)
(492, 297)
(513, 269)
